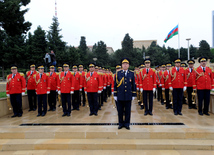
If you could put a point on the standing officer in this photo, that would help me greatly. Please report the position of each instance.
(93, 87)
(42, 89)
(31, 86)
(103, 98)
(124, 93)
(148, 81)
(77, 88)
(15, 88)
(58, 96)
(204, 83)
(100, 102)
(66, 88)
(191, 85)
(53, 78)
(82, 74)
(178, 85)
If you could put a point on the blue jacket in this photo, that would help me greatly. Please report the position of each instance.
(124, 86)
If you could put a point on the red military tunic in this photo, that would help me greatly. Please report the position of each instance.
(92, 83)
(53, 81)
(82, 74)
(177, 78)
(15, 85)
(104, 80)
(77, 80)
(66, 83)
(31, 84)
(204, 80)
(191, 77)
(101, 79)
(165, 80)
(42, 84)
(148, 81)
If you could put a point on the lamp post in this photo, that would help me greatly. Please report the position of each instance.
(95, 59)
(188, 54)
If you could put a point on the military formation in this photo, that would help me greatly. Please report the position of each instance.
(173, 86)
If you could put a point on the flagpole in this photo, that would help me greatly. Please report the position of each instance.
(178, 43)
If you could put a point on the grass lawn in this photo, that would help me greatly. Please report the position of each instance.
(3, 94)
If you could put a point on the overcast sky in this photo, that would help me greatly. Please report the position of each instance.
(110, 20)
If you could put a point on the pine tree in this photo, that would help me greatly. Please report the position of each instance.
(127, 46)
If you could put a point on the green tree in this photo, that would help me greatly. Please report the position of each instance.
(127, 46)
(193, 51)
(183, 52)
(204, 50)
(101, 54)
(83, 50)
(12, 17)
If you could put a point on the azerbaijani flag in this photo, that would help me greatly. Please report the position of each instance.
(172, 33)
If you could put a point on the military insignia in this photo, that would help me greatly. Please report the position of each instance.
(130, 80)
(17, 79)
(68, 78)
(151, 76)
(44, 80)
(94, 78)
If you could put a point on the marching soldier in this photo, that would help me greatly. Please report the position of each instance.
(93, 87)
(42, 89)
(53, 78)
(124, 93)
(191, 85)
(148, 81)
(66, 88)
(178, 85)
(15, 88)
(165, 84)
(31, 86)
(82, 74)
(204, 83)
(77, 88)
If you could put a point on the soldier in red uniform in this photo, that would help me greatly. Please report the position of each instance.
(15, 88)
(102, 70)
(66, 88)
(204, 83)
(53, 78)
(178, 84)
(148, 81)
(82, 73)
(93, 87)
(105, 85)
(42, 89)
(100, 98)
(191, 85)
(31, 88)
(77, 88)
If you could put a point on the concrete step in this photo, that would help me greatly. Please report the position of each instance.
(105, 144)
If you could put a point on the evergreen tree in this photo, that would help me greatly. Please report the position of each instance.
(101, 54)
(127, 46)
(204, 50)
(83, 50)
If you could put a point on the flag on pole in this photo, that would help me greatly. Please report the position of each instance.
(172, 33)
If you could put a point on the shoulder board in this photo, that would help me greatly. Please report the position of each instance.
(72, 73)
(27, 72)
(8, 75)
(80, 73)
(170, 69)
(34, 75)
(37, 72)
(210, 68)
(153, 69)
(47, 74)
(57, 73)
(131, 71)
(22, 74)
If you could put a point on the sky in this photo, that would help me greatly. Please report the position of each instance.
(110, 20)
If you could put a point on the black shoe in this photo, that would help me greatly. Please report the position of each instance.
(95, 114)
(180, 113)
(99, 108)
(13, 116)
(175, 113)
(207, 114)
(49, 109)
(190, 107)
(77, 109)
(68, 114)
(139, 103)
(146, 113)
(34, 109)
(171, 107)
(142, 107)
(194, 107)
(30, 110)
(19, 115)
(83, 105)
(90, 114)
(120, 127)
(43, 114)
(64, 115)
(162, 103)
(54, 109)
(58, 105)
(150, 113)
(167, 107)
(127, 127)
(38, 115)
(200, 113)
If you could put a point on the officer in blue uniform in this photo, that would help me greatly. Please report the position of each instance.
(124, 93)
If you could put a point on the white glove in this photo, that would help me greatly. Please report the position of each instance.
(141, 90)
(115, 98)
(195, 89)
(185, 88)
(104, 87)
(56, 90)
(80, 89)
(99, 91)
(71, 92)
(112, 93)
(23, 93)
(160, 85)
(171, 88)
(59, 92)
(8, 95)
(137, 88)
(154, 89)
(85, 92)
(48, 92)
(212, 89)
(133, 98)
(163, 88)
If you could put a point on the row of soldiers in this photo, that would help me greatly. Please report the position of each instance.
(175, 83)
(97, 84)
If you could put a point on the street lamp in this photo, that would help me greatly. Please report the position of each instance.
(95, 59)
(188, 39)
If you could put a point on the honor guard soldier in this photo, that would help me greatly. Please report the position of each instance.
(99, 72)
(31, 88)
(124, 93)
(165, 84)
(105, 85)
(15, 88)
(118, 68)
(66, 88)
(160, 75)
(191, 83)
(204, 83)
(77, 88)
(178, 85)
(148, 81)
(42, 89)
(103, 94)
(53, 79)
(58, 96)
(82, 74)
(93, 87)
(183, 65)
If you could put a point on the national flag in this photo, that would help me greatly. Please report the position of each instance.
(172, 33)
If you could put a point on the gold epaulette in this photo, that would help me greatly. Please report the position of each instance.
(27, 72)
(22, 74)
(72, 73)
(57, 73)
(80, 73)
(34, 75)
(210, 68)
(37, 72)
(153, 69)
(8, 75)
(47, 74)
